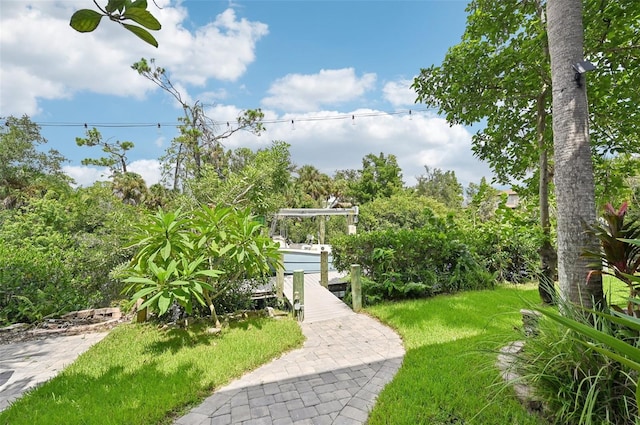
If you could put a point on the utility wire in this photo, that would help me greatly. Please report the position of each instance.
(352, 116)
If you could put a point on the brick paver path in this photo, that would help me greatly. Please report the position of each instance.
(333, 379)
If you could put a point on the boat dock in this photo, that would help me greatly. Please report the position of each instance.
(319, 303)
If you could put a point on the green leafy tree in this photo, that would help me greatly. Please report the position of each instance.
(25, 170)
(402, 210)
(116, 159)
(122, 12)
(380, 177)
(260, 185)
(314, 184)
(440, 185)
(200, 140)
(500, 74)
(483, 201)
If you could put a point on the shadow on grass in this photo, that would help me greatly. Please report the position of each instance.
(459, 384)
(197, 334)
(144, 395)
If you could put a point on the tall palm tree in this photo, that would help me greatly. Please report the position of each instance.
(574, 181)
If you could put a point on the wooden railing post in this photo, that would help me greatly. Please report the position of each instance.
(324, 268)
(298, 287)
(280, 277)
(356, 287)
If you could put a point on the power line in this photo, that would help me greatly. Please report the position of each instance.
(351, 116)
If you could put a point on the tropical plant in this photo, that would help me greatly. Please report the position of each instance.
(583, 366)
(197, 258)
(619, 256)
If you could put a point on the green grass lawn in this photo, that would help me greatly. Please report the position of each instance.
(140, 374)
(448, 375)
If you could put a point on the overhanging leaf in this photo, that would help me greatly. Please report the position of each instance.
(142, 17)
(142, 33)
(85, 20)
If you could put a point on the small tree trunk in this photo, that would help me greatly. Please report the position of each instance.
(548, 257)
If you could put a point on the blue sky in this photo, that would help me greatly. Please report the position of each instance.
(294, 59)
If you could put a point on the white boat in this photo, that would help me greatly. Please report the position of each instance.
(303, 257)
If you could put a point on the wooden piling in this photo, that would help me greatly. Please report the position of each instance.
(356, 287)
(280, 277)
(298, 286)
(324, 268)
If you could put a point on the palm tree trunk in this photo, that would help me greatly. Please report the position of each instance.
(574, 181)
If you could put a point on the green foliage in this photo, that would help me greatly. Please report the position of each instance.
(412, 263)
(507, 245)
(25, 170)
(120, 11)
(619, 256)
(440, 185)
(584, 367)
(116, 160)
(36, 283)
(79, 234)
(196, 258)
(380, 177)
(402, 210)
(260, 184)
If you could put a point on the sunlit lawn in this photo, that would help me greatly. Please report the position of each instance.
(140, 374)
(449, 374)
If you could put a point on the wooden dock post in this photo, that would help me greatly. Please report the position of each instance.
(324, 268)
(280, 277)
(356, 287)
(298, 287)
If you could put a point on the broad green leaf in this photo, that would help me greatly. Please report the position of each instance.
(166, 250)
(151, 301)
(139, 3)
(164, 301)
(225, 249)
(135, 279)
(142, 33)
(210, 273)
(143, 293)
(114, 5)
(85, 20)
(142, 17)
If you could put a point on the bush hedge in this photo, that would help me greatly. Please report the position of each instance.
(404, 263)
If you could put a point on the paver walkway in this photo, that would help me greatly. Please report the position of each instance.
(333, 379)
(319, 303)
(24, 365)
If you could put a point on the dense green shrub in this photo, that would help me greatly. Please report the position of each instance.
(35, 283)
(412, 263)
(506, 245)
(79, 235)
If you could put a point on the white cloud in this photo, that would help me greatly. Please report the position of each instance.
(399, 93)
(149, 169)
(303, 93)
(331, 141)
(84, 175)
(43, 58)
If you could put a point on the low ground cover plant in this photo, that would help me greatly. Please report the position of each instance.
(140, 374)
